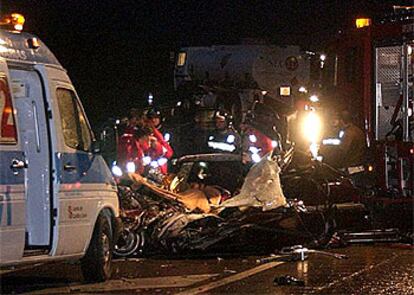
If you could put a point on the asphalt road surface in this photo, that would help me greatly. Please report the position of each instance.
(369, 269)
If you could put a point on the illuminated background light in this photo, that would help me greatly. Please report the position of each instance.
(130, 166)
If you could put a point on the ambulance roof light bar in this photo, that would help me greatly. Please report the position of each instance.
(14, 21)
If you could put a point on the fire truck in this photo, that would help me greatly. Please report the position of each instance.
(369, 70)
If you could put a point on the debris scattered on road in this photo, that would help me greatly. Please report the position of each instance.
(371, 236)
(298, 253)
(231, 271)
(288, 280)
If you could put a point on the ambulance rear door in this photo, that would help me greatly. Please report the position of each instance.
(31, 109)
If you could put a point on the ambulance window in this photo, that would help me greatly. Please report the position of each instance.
(75, 128)
(8, 134)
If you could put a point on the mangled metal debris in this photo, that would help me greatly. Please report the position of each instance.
(261, 187)
(197, 218)
(202, 209)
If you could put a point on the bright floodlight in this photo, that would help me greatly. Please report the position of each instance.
(312, 127)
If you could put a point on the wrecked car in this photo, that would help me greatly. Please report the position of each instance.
(216, 203)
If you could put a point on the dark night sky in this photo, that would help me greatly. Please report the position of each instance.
(116, 51)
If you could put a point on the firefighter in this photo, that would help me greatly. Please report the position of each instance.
(255, 144)
(159, 150)
(131, 148)
(127, 148)
(132, 121)
(154, 118)
(353, 145)
(224, 136)
(260, 126)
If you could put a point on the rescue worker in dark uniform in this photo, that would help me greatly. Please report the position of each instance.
(131, 124)
(353, 144)
(224, 137)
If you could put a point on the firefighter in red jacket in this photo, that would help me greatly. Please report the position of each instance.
(255, 144)
(132, 146)
(159, 150)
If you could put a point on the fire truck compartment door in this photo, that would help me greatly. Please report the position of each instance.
(389, 74)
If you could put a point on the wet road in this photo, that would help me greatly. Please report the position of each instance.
(372, 269)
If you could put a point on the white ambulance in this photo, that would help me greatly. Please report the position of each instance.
(58, 200)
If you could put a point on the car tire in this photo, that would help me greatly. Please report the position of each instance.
(127, 244)
(96, 265)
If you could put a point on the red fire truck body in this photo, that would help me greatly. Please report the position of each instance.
(369, 71)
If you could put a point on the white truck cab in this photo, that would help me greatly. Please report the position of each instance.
(58, 199)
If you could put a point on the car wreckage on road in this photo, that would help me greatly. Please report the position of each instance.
(216, 203)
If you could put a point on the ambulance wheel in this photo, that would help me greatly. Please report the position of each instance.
(97, 263)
